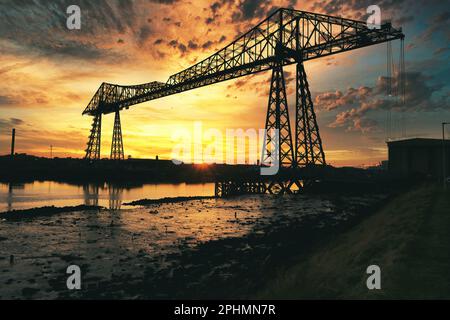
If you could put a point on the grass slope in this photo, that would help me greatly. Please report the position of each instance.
(409, 239)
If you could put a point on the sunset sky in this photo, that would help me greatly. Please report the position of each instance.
(49, 74)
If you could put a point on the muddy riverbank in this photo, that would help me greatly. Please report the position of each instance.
(206, 248)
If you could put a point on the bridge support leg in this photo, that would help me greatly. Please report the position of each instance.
(279, 148)
(93, 146)
(90, 193)
(117, 142)
(308, 144)
(115, 197)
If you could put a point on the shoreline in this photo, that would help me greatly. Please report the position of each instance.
(46, 211)
(147, 202)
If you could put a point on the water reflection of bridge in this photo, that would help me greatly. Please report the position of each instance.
(10, 198)
(92, 194)
(286, 181)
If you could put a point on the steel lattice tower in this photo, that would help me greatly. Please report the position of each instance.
(93, 146)
(117, 142)
(308, 144)
(278, 148)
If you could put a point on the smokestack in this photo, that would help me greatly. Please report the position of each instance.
(13, 140)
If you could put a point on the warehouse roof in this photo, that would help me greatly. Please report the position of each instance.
(418, 142)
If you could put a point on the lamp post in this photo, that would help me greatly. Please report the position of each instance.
(444, 160)
(13, 141)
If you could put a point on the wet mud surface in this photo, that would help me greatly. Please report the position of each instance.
(202, 248)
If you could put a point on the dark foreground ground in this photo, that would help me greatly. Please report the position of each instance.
(408, 238)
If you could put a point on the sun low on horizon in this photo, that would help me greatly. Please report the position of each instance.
(50, 73)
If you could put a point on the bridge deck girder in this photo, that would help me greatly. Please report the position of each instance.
(301, 35)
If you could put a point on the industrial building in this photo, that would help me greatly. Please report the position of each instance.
(419, 157)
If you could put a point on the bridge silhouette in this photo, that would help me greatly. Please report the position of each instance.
(284, 38)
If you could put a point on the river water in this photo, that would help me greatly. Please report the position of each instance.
(14, 196)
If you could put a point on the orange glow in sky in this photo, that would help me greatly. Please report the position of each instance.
(50, 73)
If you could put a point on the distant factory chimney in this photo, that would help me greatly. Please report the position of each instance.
(13, 141)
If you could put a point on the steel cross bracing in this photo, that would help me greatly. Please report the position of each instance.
(308, 144)
(278, 139)
(294, 35)
(93, 146)
(117, 142)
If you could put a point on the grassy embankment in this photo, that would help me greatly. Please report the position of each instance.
(409, 239)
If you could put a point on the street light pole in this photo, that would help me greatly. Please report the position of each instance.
(444, 160)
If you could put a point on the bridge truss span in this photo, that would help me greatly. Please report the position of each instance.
(284, 38)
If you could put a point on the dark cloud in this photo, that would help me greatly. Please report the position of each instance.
(441, 50)
(7, 100)
(258, 83)
(215, 7)
(193, 45)
(399, 12)
(39, 27)
(335, 100)
(173, 43)
(403, 20)
(73, 49)
(16, 121)
(35, 27)
(423, 94)
(220, 5)
(8, 124)
(253, 8)
(247, 10)
(97, 16)
(207, 44)
(217, 10)
(437, 24)
(15, 66)
(182, 48)
(144, 34)
(23, 97)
